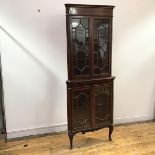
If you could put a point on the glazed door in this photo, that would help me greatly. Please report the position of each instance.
(80, 47)
(81, 109)
(101, 47)
(102, 100)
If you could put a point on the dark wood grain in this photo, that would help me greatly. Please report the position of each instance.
(83, 109)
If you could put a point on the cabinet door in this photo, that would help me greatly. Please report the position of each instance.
(80, 47)
(102, 104)
(81, 108)
(101, 47)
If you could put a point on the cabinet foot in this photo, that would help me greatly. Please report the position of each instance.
(110, 132)
(70, 135)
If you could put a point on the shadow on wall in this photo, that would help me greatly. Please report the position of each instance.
(51, 83)
(39, 62)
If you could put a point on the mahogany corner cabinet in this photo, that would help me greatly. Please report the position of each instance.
(89, 56)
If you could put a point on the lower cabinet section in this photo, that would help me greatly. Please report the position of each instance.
(89, 106)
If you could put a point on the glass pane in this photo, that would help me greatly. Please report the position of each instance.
(81, 108)
(75, 23)
(102, 101)
(84, 22)
(101, 46)
(80, 49)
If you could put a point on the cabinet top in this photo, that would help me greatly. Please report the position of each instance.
(88, 5)
(89, 10)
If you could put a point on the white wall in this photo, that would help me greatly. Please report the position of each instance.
(33, 49)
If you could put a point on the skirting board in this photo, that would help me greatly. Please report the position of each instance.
(37, 131)
(133, 119)
(63, 127)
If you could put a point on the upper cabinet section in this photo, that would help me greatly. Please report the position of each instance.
(89, 39)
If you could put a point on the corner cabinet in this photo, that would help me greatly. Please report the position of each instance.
(89, 84)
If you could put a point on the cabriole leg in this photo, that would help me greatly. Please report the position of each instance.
(70, 135)
(110, 132)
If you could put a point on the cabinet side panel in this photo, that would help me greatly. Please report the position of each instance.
(69, 108)
(68, 46)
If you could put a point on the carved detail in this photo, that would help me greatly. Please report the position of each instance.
(72, 133)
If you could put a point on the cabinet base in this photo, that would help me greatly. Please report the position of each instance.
(72, 133)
